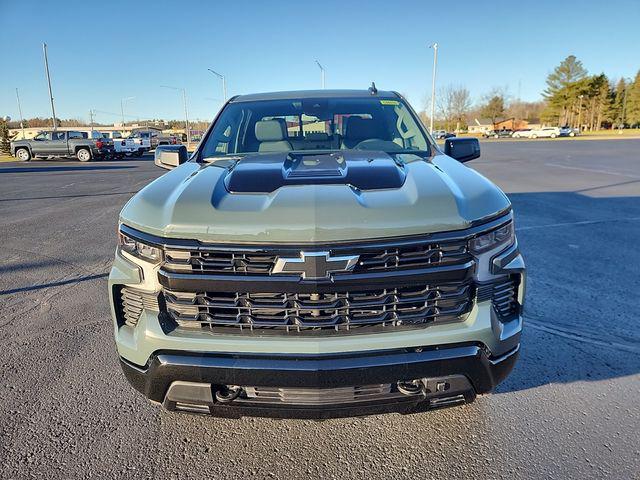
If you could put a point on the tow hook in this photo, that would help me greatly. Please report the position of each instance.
(414, 387)
(228, 394)
(424, 386)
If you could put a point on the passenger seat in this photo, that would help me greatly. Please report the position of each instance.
(272, 134)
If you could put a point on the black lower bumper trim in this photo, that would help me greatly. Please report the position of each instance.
(319, 371)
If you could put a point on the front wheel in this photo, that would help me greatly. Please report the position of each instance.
(83, 155)
(23, 154)
(139, 153)
(534, 136)
(495, 136)
(553, 135)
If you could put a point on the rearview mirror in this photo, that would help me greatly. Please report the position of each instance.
(462, 149)
(170, 156)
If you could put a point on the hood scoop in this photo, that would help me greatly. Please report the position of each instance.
(265, 173)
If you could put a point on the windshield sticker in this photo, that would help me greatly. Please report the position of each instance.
(389, 102)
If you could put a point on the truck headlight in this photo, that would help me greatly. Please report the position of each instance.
(504, 235)
(139, 249)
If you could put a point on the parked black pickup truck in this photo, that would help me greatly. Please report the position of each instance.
(62, 144)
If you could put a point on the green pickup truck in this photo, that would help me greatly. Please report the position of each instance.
(318, 255)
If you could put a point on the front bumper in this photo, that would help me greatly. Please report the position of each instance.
(450, 375)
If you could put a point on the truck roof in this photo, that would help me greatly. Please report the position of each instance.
(312, 94)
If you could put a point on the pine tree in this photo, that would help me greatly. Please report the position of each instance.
(561, 92)
(5, 146)
(617, 103)
(633, 102)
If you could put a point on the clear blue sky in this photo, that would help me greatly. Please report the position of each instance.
(99, 54)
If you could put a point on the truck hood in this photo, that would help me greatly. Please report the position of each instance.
(280, 198)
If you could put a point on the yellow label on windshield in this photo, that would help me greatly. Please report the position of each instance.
(389, 102)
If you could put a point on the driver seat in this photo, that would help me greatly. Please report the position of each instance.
(358, 129)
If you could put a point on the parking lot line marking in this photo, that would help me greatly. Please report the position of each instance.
(582, 222)
(566, 333)
(593, 170)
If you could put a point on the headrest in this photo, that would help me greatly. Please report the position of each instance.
(358, 128)
(270, 130)
(317, 136)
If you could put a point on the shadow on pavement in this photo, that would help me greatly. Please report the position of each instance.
(583, 288)
(60, 169)
(54, 284)
(67, 196)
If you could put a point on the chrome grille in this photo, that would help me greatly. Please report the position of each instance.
(372, 259)
(416, 305)
(133, 302)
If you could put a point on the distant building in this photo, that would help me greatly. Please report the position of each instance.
(484, 125)
(480, 126)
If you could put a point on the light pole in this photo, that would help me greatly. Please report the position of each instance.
(433, 85)
(186, 114)
(46, 68)
(321, 73)
(122, 100)
(224, 84)
(20, 112)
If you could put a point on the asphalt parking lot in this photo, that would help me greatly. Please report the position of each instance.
(570, 408)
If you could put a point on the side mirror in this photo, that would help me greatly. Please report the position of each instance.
(170, 156)
(462, 149)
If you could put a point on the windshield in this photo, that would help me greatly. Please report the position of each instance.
(315, 124)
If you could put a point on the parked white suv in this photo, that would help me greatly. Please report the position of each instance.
(545, 132)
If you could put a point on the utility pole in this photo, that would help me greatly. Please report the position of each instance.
(186, 118)
(20, 112)
(224, 83)
(186, 114)
(321, 73)
(46, 68)
(91, 119)
(122, 101)
(433, 85)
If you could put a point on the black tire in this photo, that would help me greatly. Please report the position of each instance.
(139, 153)
(553, 135)
(23, 154)
(83, 154)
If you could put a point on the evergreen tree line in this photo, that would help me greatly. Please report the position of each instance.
(575, 98)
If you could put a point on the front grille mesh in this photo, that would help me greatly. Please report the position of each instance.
(318, 396)
(416, 305)
(372, 259)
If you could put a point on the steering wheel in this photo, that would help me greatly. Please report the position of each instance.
(377, 144)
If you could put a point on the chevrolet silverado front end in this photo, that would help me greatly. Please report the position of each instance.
(318, 255)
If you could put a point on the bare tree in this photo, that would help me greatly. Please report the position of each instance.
(453, 102)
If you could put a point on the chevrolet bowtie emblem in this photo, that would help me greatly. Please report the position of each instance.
(315, 265)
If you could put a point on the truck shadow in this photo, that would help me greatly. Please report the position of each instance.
(582, 288)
